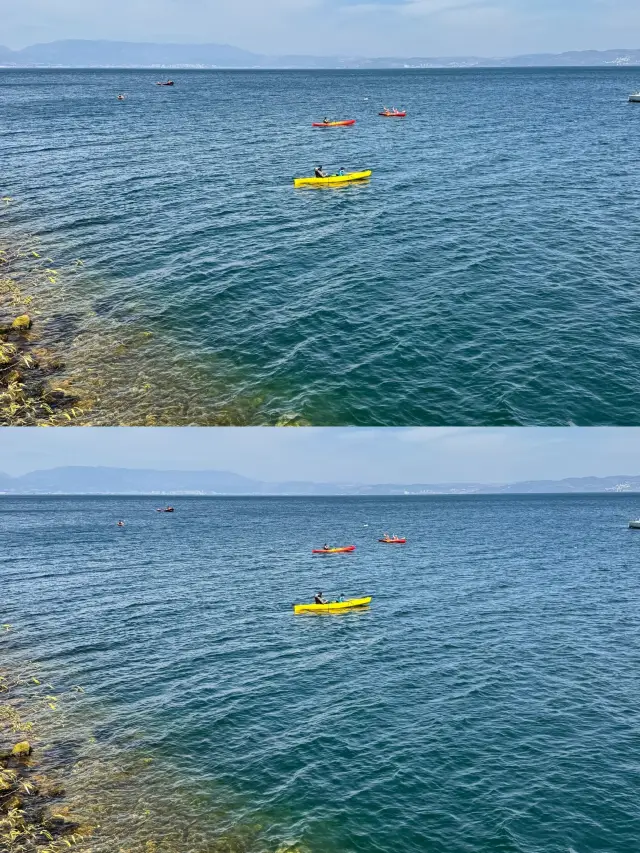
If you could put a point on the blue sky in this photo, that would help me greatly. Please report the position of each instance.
(336, 455)
(366, 27)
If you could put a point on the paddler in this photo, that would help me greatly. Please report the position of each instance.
(318, 599)
(319, 173)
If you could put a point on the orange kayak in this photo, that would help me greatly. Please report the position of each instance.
(393, 541)
(334, 550)
(346, 123)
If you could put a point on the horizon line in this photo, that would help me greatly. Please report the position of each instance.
(620, 62)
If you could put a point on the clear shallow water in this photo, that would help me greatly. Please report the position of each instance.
(486, 275)
(489, 700)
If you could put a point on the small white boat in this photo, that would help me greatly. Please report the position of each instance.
(635, 98)
(635, 525)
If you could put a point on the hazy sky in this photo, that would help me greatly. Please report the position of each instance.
(335, 455)
(366, 27)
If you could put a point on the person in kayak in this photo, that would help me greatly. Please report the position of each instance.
(341, 171)
(318, 599)
(325, 120)
(319, 173)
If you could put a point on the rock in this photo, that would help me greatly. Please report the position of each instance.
(46, 361)
(59, 824)
(58, 398)
(22, 749)
(22, 323)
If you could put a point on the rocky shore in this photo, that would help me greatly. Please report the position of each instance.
(33, 391)
(69, 780)
(33, 815)
(71, 354)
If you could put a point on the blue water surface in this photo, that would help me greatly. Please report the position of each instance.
(489, 699)
(487, 274)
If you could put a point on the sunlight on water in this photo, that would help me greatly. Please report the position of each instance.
(483, 276)
(485, 701)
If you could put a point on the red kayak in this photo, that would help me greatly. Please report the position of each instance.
(393, 115)
(393, 541)
(346, 123)
(334, 550)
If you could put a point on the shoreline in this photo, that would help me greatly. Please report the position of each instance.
(34, 815)
(73, 776)
(64, 362)
(33, 391)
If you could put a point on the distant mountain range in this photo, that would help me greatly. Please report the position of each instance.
(124, 481)
(111, 54)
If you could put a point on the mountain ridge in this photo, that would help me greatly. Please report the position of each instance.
(85, 53)
(87, 480)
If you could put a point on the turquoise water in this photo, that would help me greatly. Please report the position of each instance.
(489, 700)
(487, 274)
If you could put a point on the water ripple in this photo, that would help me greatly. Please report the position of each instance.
(489, 699)
(486, 275)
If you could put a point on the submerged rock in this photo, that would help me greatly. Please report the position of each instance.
(12, 804)
(54, 791)
(22, 323)
(22, 749)
(59, 823)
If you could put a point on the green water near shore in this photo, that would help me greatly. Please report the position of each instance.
(113, 371)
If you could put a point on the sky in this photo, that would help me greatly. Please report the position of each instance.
(420, 455)
(325, 27)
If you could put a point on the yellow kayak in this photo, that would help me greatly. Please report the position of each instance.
(332, 605)
(332, 179)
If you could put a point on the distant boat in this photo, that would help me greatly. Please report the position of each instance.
(635, 525)
(635, 98)
(168, 83)
(166, 509)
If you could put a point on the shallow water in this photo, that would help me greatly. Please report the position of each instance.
(487, 274)
(488, 700)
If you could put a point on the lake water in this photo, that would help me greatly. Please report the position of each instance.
(487, 274)
(489, 699)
